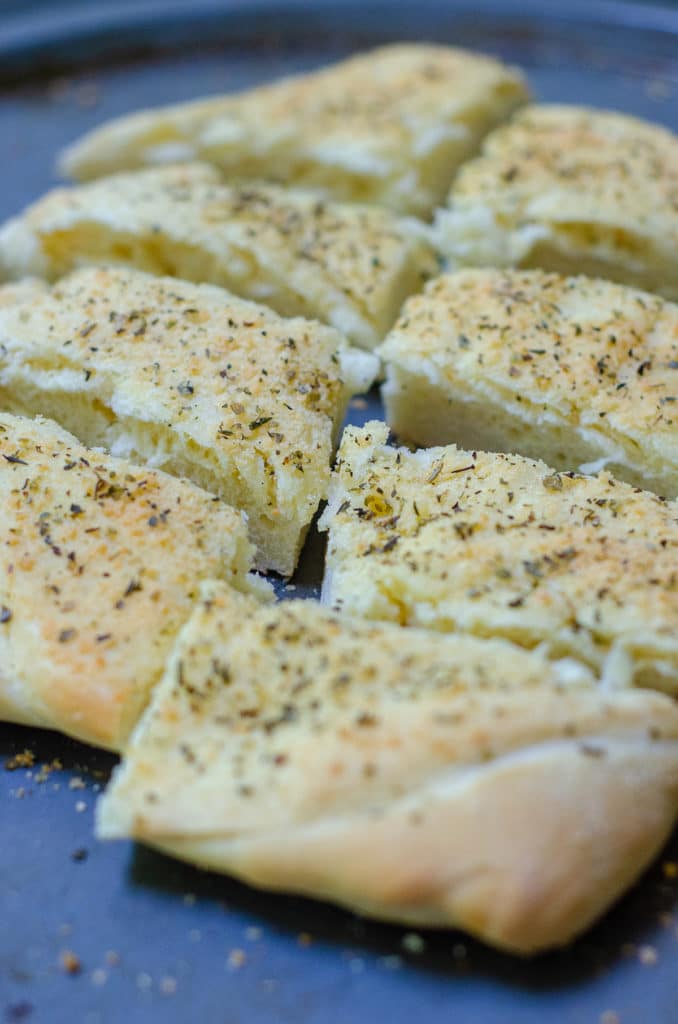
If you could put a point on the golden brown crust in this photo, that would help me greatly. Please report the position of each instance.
(349, 266)
(571, 189)
(388, 126)
(524, 853)
(499, 545)
(189, 378)
(376, 766)
(570, 370)
(101, 563)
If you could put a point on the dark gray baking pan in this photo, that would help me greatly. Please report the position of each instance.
(154, 940)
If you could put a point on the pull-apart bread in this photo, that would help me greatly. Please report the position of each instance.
(572, 190)
(444, 781)
(579, 372)
(101, 564)
(350, 266)
(499, 545)
(193, 380)
(389, 126)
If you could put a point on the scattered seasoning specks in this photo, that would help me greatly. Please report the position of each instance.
(524, 546)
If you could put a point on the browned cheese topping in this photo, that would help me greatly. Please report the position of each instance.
(100, 564)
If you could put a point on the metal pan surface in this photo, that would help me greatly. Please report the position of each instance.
(101, 934)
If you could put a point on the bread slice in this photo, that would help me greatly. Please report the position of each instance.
(431, 780)
(573, 190)
(349, 266)
(100, 566)
(579, 372)
(389, 126)
(188, 378)
(499, 545)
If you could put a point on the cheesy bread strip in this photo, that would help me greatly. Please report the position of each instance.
(429, 780)
(573, 190)
(579, 372)
(499, 545)
(389, 126)
(349, 266)
(188, 378)
(100, 566)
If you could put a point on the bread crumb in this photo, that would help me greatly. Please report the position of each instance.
(670, 869)
(76, 783)
(610, 1017)
(304, 939)
(168, 985)
(69, 962)
(80, 806)
(26, 759)
(647, 955)
(413, 943)
(47, 769)
(237, 958)
(144, 981)
(99, 976)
